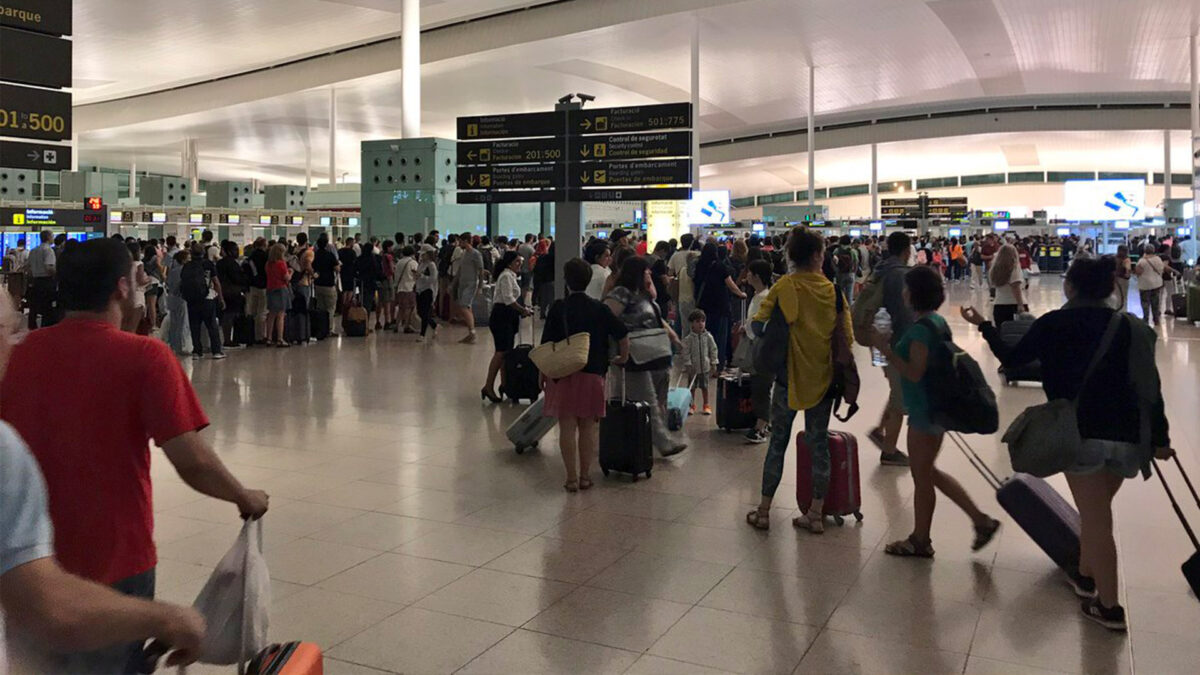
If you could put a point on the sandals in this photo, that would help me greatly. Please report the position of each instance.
(571, 486)
(984, 534)
(759, 519)
(910, 548)
(585, 483)
(809, 521)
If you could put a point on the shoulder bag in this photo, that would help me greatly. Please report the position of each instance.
(557, 360)
(1044, 440)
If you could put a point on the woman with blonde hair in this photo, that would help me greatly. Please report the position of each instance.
(1006, 278)
(278, 277)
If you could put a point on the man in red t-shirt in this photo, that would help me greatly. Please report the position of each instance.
(88, 399)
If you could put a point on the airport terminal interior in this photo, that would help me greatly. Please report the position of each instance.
(416, 526)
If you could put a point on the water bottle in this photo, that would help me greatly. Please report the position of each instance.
(882, 324)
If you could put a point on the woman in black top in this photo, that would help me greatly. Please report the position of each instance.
(233, 289)
(1124, 387)
(714, 284)
(577, 401)
(348, 260)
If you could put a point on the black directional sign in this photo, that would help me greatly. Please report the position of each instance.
(40, 16)
(16, 155)
(510, 176)
(631, 146)
(26, 112)
(510, 126)
(657, 172)
(517, 151)
(512, 196)
(630, 194)
(34, 59)
(627, 120)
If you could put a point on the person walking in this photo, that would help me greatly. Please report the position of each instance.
(1124, 272)
(1150, 272)
(406, 293)
(40, 268)
(1005, 276)
(890, 273)
(468, 276)
(577, 401)
(256, 297)
(426, 287)
(925, 292)
(504, 321)
(1120, 406)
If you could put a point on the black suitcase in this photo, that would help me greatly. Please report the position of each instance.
(243, 330)
(626, 445)
(296, 329)
(735, 407)
(1049, 520)
(1011, 333)
(318, 320)
(522, 380)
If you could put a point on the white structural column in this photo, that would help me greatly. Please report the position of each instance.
(189, 168)
(307, 166)
(74, 152)
(695, 103)
(133, 179)
(874, 181)
(333, 178)
(410, 68)
(812, 141)
(1166, 164)
(1195, 59)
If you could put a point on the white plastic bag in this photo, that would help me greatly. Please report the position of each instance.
(236, 601)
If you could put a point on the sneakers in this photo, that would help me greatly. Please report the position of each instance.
(420, 338)
(1112, 618)
(757, 436)
(674, 450)
(896, 458)
(707, 410)
(218, 356)
(1084, 587)
(197, 355)
(692, 410)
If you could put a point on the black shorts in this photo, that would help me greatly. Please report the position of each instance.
(504, 322)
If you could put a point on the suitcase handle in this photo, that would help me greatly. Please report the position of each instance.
(976, 461)
(1174, 504)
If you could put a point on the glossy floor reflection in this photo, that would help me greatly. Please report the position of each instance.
(406, 536)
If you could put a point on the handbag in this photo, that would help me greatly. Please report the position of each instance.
(649, 344)
(1044, 439)
(557, 360)
(770, 351)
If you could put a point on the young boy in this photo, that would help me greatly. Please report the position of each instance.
(699, 357)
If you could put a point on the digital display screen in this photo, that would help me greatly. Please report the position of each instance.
(602, 234)
(876, 226)
(1121, 225)
(352, 222)
(115, 216)
(234, 219)
(158, 217)
(1000, 225)
(297, 220)
(955, 232)
(264, 220)
(196, 218)
(707, 207)
(1183, 231)
(326, 221)
(1104, 199)
(1063, 231)
(855, 233)
(759, 227)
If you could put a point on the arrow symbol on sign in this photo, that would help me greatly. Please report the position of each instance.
(33, 155)
(586, 124)
(471, 155)
(584, 178)
(585, 152)
(471, 181)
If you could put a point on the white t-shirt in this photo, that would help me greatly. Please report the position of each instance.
(1004, 292)
(595, 288)
(406, 275)
(1150, 272)
(755, 305)
(508, 289)
(678, 266)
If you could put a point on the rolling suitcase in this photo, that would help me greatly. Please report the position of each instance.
(735, 407)
(844, 496)
(521, 376)
(625, 440)
(289, 658)
(318, 320)
(1049, 520)
(1011, 333)
(482, 305)
(354, 317)
(1177, 303)
(679, 403)
(296, 329)
(1191, 566)
(530, 427)
(1193, 302)
(243, 330)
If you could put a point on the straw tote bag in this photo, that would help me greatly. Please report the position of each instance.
(557, 360)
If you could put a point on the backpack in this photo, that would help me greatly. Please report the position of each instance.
(959, 396)
(843, 260)
(976, 255)
(865, 307)
(193, 281)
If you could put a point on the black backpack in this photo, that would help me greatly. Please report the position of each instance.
(843, 260)
(960, 399)
(193, 281)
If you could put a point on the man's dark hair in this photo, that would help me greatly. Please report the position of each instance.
(685, 241)
(594, 251)
(926, 292)
(802, 245)
(207, 236)
(88, 274)
(898, 243)
(528, 237)
(1093, 278)
(577, 274)
(762, 270)
(170, 240)
(59, 239)
(322, 240)
(302, 238)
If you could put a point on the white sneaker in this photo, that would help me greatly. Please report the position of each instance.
(420, 338)
(218, 357)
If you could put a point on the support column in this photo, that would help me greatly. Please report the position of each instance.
(812, 143)
(568, 223)
(695, 102)
(74, 156)
(307, 167)
(410, 68)
(333, 178)
(133, 179)
(1195, 71)
(874, 181)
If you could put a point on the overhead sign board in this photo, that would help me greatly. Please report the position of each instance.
(512, 151)
(30, 58)
(512, 196)
(511, 126)
(631, 119)
(631, 146)
(26, 112)
(509, 176)
(630, 194)
(657, 172)
(40, 218)
(40, 156)
(42, 16)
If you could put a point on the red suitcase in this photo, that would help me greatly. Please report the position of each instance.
(844, 496)
(289, 658)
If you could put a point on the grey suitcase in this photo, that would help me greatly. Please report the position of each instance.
(530, 427)
(482, 306)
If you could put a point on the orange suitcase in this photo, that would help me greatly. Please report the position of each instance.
(289, 658)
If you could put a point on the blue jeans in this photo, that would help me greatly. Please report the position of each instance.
(846, 283)
(125, 658)
(816, 437)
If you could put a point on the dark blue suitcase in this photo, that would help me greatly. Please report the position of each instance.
(626, 445)
(1049, 520)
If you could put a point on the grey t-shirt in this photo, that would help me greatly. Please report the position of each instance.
(25, 530)
(526, 251)
(469, 269)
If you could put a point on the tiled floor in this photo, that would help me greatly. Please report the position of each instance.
(406, 536)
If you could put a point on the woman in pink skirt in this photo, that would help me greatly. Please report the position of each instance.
(577, 401)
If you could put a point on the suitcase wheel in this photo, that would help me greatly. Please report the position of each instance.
(647, 475)
(520, 449)
(839, 520)
(858, 516)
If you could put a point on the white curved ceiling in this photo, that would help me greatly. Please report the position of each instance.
(870, 55)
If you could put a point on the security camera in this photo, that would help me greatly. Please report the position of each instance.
(586, 97)
(566, 99)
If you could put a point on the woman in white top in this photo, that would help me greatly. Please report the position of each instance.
(600, 258)
(758, 275)
(406, 289)
(505, 320)
(426, 287)
(1150, 272)
(141, 281)
(1007, 279)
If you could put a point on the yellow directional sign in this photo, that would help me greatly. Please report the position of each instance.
(600, 176)
(485, 154)
(600, 150)
(485, 180)
(601, 124)
(472, 130)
